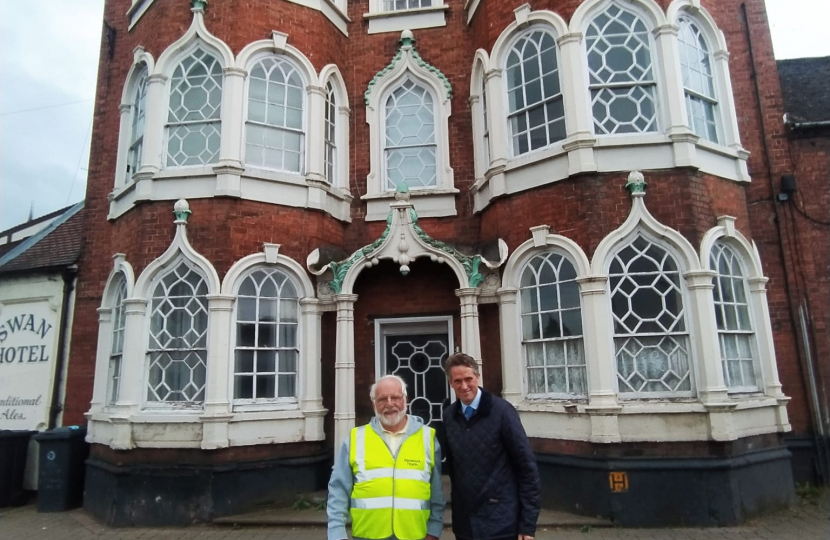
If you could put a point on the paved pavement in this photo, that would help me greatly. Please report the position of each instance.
(807, 521)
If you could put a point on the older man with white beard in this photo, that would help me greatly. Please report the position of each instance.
(387, 475)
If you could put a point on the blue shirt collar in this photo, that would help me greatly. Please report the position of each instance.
(475, 403)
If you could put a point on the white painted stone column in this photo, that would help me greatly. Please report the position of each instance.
(314, 147)
(341, 164)
(497, 115)
(229, 169)
(597, 328)
(711, 387)
(482, 159)
(730, 132)
(701, 318)
(344, 393)
(217, 411)
(122, 176)
(511, 346)
(763, 335)
(311, 395)
(579, 121)
(132, 373)
(100, 383)
(154, 120)
(470, 334)
(667, 57)
(766, 350)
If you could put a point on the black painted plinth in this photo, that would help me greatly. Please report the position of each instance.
(708, 492)
(181, 494)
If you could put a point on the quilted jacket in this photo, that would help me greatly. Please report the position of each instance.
(495, 482)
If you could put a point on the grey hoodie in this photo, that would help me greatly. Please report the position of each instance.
(340, 487)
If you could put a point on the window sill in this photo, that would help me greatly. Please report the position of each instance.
(201, 182)
(410, 19)
(427, 203)
(607, 153)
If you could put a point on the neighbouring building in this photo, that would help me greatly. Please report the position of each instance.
(287, 199)
(38, 275)
(805, 224)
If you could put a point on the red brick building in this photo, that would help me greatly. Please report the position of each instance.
(582, 195)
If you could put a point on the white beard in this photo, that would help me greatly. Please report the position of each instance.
(389, 421)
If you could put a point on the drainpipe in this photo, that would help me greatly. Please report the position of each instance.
(804, 356)
(69, 275)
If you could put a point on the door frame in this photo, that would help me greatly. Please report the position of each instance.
(402, 326)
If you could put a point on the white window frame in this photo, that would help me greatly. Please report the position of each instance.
(656, 72)
(433, 202)
(165, 404)
(303, 158)
(254, 403)
(688, 316)
(691, 95)
(562, 339)
(382, 19)
(506, 92)
(387, 148)
(117, 335)
(216, 122)
(718, 248)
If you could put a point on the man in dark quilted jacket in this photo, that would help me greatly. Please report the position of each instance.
(495, 482)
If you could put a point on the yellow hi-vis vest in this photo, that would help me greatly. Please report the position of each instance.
(391, 495)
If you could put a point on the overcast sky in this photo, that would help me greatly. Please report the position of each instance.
(48, 65)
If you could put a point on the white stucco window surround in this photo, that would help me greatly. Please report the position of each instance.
(397, 15)
(133, 120)
(336, 115)
(480, 116)
(703, 409)
(177, 358)
(408, 109)
(704, 84)
(643, 124)
(294, 368)
(206, 109)
(111, 334)
(542, 316)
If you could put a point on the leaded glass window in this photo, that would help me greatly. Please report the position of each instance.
(274, 132)
(552, 327)
(137, 129)
(621, 76)
(193, 118)
(698, 81)
(117, 346)
(536, 112)
(267, 350)
(409, 144)
(735, 335)
(399, 5)
(650, 335)
(177, 352)
(331, 133)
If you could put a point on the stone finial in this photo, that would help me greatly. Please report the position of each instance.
(407, 38)
(181, 210)
(636, 183)
(198, 5)
(401, 191)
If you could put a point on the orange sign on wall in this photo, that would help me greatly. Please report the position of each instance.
(618, 481)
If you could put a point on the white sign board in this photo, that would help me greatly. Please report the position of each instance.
(28, 344)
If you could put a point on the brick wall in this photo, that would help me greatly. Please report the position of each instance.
(584, 208)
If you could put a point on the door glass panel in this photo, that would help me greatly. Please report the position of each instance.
(418, 360)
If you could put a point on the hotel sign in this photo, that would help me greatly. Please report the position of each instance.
(28, 342)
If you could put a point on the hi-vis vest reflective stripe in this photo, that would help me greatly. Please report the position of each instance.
(391, 496)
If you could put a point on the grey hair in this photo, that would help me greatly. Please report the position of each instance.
(386, 378)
